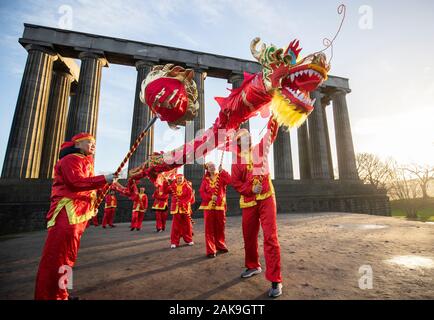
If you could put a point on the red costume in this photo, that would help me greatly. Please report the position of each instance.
(72, 195)
(111, 204)
(214, 212)
(161, 204)
(257, 209)
(140, 204)
(94, 221)
(182, 195)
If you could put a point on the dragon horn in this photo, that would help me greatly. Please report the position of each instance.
(256, 54)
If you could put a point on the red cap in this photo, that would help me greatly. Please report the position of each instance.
(78, 137)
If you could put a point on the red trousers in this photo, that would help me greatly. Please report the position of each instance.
(109, 215)
(137, 219)
(60, 250)
(215, 221)
(264, 214)
(160, 219)
(181, 227)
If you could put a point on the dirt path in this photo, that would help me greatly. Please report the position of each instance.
(321, 257)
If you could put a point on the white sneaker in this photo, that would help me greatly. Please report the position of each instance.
(191, 243)
(275, 290)
(251, 272)
(172, 246)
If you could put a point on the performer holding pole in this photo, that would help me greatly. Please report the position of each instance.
(182, 194)
(251, 178)
(111, 204)
(213, 194)
(161, 202)
(73, 196)
(140, 204)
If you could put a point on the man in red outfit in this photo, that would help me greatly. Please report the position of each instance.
(111, 204)
(161, 202)
(182, 195)
(140, 204)
(213, 194)
(258, 206)
(72, 197)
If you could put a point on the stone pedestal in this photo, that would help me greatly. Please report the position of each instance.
(56, 122)
(23, 154)
(141, 116)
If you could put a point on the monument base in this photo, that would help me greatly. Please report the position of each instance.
(24, 203)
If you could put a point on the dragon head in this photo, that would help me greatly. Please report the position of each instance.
(171, 93)
(290, 79)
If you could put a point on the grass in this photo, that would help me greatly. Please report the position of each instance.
(425, 208)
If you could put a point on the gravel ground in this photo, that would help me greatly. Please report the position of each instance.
(321, 259)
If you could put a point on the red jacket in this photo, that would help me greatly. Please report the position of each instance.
(208, 189)
(161, 196)
(182, 197)
(110, 201)
(140, 201)
(245, 174)
(74, 188)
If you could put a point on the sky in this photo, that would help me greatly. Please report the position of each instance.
(385, 49)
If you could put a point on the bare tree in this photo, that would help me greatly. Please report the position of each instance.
(374, 171)
(404, 187)
(424, 175)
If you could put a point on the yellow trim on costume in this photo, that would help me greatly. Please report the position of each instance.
(140, 202)
(177, 211)
(211, 207)
(261, 196)
(73, 218)
(160, 208)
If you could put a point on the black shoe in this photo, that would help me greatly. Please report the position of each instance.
(103, 227)
(132, 229)
(223, 251)
(158, 230)
(137, 229)
(211, 255)
(112, 226)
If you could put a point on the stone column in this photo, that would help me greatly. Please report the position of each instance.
(304, 152)
(56, 121)
(283, 156)
(71, 115)
(317, 139)
(85, 116)
(23, 154)
(195, 171)
(141, 116)
(236, 80)
(344, 141)
(325, 102)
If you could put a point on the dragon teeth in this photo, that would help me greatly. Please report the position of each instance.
(292, 76)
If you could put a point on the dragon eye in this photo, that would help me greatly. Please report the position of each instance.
(290, 58)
